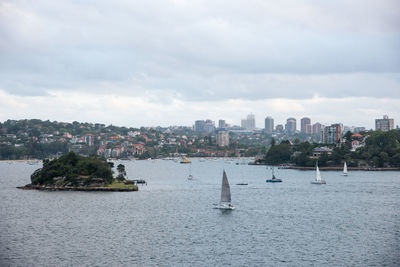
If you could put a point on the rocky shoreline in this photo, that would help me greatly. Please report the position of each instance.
(76, 188)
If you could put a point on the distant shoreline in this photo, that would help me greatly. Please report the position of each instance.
(330, 168)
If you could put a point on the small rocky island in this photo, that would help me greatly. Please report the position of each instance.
(78, 173)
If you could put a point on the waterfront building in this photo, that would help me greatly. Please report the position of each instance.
(290, 126)
(318, 151)
(332, 134)
(384, 124)
(305, 127)
(269, 124)
(249, 123)
(222, 138)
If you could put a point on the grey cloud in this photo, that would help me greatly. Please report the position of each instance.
(201, 50)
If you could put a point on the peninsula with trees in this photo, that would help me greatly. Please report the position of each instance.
(79, 173)
(374, 150)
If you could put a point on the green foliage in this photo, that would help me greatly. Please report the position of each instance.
(278, 154)
(70, 167)
(273, 141)
(382, 149)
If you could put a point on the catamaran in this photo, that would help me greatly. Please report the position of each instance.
(225, 203)
(345, 169)
(273, 179)
(318, 179)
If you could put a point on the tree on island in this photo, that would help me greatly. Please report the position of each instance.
(121, 172)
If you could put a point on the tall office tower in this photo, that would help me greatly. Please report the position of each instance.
(384, 124)
(249, 123)
(199, 126)
(222, 138)
(305, 129)
(221, 124)
(332, 134)
(290, 126)
(269, 124)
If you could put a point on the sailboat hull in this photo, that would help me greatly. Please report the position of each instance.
(224, 207)
(319, 182)
(276, 180)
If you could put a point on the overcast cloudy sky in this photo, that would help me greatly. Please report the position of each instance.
(160, 62)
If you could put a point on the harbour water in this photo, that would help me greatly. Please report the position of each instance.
(350, 221)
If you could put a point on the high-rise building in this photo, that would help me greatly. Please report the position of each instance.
(384, 124)
(209, 126)
(332, 134)
(316, 128)
(279, 128)
(305, 125)
(221, 124)
(269, 124)
(290, 126)
(199, 126)
(222, 138)
(249, 123)
(308, 129)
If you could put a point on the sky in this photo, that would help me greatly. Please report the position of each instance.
(171, 62)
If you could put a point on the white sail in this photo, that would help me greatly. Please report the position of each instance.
(226, 190)
(345, 168)
(318, 175)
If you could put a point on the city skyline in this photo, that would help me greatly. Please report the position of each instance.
(259, 122)
(172, 62)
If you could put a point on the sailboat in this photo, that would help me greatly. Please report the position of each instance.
(273, 179)
(190, 177)
(318, 179)
(225, 203)
(345, 169)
